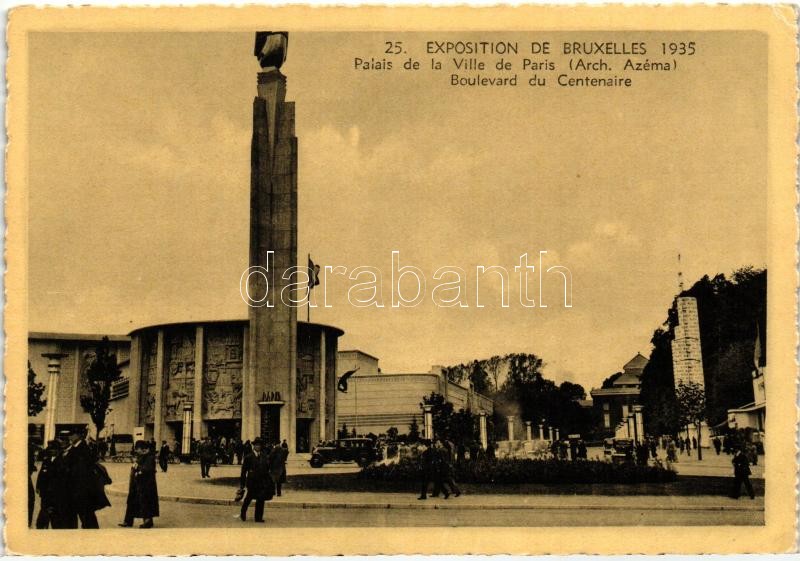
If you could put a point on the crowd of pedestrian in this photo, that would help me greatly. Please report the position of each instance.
(436, 466)
(70, 484)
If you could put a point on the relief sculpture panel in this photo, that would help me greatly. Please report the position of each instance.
(148, 401)
(222, 375)
(306, 388)
(179, 374)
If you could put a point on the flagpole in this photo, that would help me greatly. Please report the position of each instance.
(310, 286)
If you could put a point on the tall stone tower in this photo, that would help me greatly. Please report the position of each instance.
(687, 357)
(268, 407)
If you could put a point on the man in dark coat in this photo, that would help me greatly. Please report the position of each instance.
(255, 478)
(50, 488)
(163, 455)
(86, 493)
(741, 474)
(142, 489)
(277, 466)
(208, 453)
(426, 468)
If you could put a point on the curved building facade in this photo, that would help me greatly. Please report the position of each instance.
(197, 379)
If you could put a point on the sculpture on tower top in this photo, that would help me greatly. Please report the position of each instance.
(271, 48)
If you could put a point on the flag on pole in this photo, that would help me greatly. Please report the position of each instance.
(342, 385)
(313, 274)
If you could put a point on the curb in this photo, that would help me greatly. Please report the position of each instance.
(440, 506)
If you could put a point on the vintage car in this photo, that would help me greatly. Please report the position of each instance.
(359, 450)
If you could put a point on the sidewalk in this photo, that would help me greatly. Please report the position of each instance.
(183, 484)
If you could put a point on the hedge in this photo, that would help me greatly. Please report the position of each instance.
(516, 471)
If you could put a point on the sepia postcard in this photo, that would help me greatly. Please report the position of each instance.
(408, 280)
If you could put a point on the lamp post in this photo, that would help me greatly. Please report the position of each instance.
(483, 432)
(53, 369)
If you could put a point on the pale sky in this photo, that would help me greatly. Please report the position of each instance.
(139, 181)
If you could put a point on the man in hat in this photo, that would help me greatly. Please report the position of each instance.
(207, 455)
(81, 481)
(142, 490)
(277, 466)
(50, 488)
(163, 456)
(257, 480)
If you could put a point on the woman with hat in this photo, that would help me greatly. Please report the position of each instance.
(142, 490)
(256, 479)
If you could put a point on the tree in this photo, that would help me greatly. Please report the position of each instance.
(413, 431)
(392, 433)
(572, 391)
(691, 398)
(479, 377)
(728, 312)
(35, 391)
(101, 373)
(493, 366)
(441, 411)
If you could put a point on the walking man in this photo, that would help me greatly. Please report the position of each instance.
(142, 489)
(256, 479)
(208, 454)
(741, 474)
(81, 483)
(426, 467)
(163, 456)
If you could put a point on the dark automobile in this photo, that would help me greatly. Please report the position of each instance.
(359, 450)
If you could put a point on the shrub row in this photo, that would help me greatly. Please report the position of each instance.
(528, 471)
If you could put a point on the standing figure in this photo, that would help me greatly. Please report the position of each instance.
(277, 466)
(163, 456)
(672, 454)
(50, 488)
(717, 445)
(85, 493)
(208, 454)
(426, 467)
(142, 489)
(694, 442)
(256, 479)
(741, 474)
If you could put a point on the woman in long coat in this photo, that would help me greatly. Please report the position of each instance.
(142, 490)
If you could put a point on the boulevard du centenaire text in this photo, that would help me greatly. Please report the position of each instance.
(536, 63)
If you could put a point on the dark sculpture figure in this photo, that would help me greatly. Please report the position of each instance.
(271, 48)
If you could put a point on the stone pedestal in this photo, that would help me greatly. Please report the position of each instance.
(483, 432)
(528, 434)
(541, 432)
(638, 419)
(428, 421)
(511, 427)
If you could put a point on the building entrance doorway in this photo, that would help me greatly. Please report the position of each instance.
(224, 428)
(303, 444)
(271, 422)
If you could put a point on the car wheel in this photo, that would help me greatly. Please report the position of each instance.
(316, 462)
